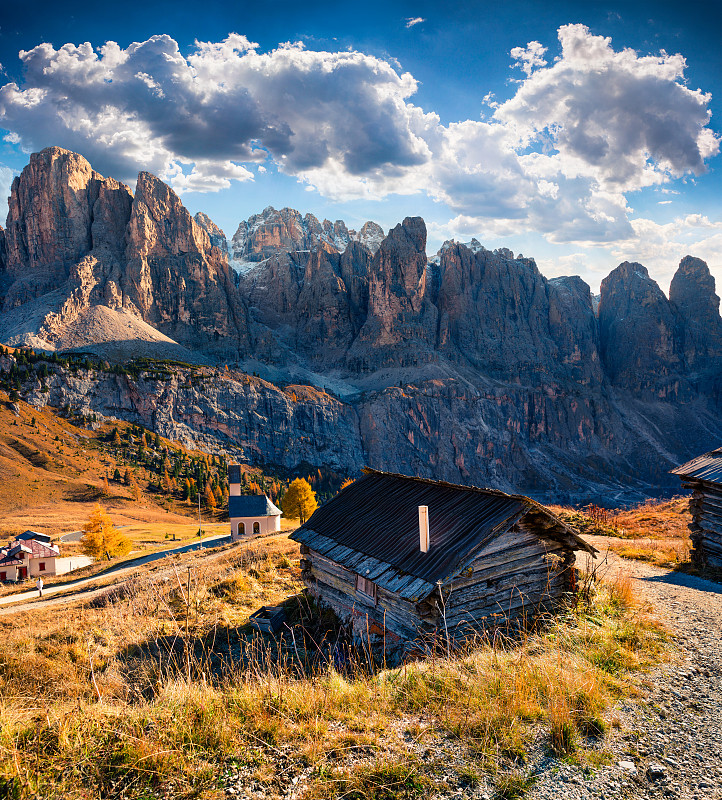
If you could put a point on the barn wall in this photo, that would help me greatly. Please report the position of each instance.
(706, 526)
(517, 574)
(335, 586)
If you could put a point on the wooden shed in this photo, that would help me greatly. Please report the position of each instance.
(412, 557)
(703, 477)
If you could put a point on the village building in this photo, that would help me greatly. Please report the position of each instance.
(28, 558)
(38, 537)
(250, 513)
(412, 558)
(703, 477)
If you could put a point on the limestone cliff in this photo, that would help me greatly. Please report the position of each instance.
(77, 241)
(471, 366)
(639, 334)
(179, 282)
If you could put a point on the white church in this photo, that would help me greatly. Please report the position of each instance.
(250, 513)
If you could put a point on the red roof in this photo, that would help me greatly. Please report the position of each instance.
(30, 547)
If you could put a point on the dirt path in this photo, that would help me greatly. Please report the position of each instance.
(670, 744)
(67, 592)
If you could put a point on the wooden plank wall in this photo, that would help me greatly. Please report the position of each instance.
(516, 574)
(336, 585)
(706, 526)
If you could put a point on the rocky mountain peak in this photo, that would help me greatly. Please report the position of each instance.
(160, 225)
(692, 294)
(215, 234)
(273, 232)
(638, 331)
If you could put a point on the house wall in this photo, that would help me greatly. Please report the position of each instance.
(266, 525)
(234, 489)
(35, 567)
(517, 574)
(706, 526)
(11, 573)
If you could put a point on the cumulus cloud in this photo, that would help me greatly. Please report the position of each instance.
(6, 180)
(411, 21)
(529, 57)
(559, 157)
(661, 246)
(626, 121)
(222, 106)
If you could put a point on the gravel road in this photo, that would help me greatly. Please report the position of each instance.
(670, 743)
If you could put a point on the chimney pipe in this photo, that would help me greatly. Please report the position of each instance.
(424, 528)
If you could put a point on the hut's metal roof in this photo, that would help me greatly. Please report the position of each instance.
(251, 505)
(707, 467)
(372, 528)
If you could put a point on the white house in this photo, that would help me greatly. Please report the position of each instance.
(25, 558)
(250, 513)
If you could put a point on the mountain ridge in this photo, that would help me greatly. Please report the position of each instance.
(469, 365)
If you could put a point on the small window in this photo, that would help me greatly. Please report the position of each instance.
(241, 528)
(256, 527)
(41, 566)
(366, 588)
(3, 577)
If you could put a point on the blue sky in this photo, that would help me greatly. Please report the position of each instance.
(570, 132)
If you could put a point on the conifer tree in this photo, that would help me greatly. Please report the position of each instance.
(209, 498)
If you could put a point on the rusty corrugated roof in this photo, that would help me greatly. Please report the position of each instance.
(707, 467)
(372, 527)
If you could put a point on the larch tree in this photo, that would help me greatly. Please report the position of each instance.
(101, 539)
(299, 501)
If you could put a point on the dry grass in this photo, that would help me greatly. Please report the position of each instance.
(655, 531)
(156, 689)
(52, 474)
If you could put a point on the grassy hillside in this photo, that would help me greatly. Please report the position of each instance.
(161, 689)
(53, 473)
(655, 531)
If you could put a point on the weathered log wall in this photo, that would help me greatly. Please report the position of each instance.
(706, 526)
(517, 574)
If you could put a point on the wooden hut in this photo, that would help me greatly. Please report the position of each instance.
(410, 557)
(703, 477)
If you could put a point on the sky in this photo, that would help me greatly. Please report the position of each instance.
(580, 134)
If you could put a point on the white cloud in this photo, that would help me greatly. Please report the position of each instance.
(627, 121)
(530, 57)
(559, 157)
(661, 246)
(6, 180)
(411, 21)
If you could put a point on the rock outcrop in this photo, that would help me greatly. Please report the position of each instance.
(501, 316)
(76, 240)
(215, 234)
(692, 295)
(400, 326)
(179, 282)
(51, 221)
(218, 410)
